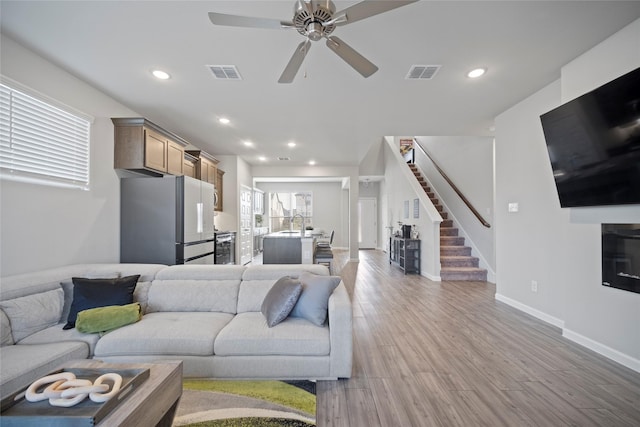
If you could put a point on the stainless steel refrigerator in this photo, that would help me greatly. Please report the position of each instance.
(167, 220)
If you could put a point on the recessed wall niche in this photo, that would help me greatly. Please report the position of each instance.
(621, 256)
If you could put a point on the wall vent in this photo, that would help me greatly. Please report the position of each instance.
(284, 158)
(422, 72)
(225, 72)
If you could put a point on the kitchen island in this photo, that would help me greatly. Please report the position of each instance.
(287, 247)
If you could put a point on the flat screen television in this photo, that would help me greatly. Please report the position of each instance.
(593, 143)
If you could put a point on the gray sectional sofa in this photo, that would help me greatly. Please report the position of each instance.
(207, 316)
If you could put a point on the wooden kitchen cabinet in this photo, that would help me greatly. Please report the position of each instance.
(144, 147)
(189, 165)
(206, 169)
(175, 158)
(219, 185)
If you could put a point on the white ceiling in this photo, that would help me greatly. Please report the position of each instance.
(330, 111)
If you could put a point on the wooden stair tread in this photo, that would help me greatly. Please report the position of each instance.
(455, 258)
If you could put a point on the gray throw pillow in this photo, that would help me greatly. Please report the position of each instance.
(280, 299)
(314, 300)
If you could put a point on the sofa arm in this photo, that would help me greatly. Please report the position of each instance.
(341, 332)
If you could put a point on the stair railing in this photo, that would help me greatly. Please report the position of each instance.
(453, 186)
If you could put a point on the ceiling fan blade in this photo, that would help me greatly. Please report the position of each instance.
(365, 9)
(295, 62)
(351, 57)
(247, 21)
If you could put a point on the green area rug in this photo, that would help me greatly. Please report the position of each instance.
(213, 403)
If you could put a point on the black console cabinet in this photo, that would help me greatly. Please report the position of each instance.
(405, 253)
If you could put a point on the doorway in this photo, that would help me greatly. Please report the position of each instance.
(367, 223)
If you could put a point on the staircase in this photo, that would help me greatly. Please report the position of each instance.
(456, 262)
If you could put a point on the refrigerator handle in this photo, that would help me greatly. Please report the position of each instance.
(199, 209)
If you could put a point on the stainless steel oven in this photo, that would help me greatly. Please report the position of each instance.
(225, 248)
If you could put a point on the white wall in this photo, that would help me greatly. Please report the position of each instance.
(468, 162)
(42, 226)
(400, 185)
(329, 210)
(561, 248)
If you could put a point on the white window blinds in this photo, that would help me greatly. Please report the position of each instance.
(42, 143)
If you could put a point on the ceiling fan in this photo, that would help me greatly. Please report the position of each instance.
(317, 19)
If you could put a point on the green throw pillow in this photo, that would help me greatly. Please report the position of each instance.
(104, 319)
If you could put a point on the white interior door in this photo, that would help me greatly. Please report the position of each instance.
(368, 223)
(246, 213)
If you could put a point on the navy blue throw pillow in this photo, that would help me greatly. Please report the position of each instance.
(93, 293)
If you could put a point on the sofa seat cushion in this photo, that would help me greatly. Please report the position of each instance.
(169, 333)
(23, 364)
(57, 334)
(249, 335)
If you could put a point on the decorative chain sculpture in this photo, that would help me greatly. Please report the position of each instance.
(65, 390)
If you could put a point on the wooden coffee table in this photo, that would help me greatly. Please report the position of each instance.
(153, 403)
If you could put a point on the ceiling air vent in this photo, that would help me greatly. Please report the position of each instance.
(284, 158)
(225, 72)
(422, 72)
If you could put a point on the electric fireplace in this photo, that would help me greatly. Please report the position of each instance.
(621, 256)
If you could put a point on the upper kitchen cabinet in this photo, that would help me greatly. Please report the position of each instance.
(207, 170)
(189, 165)
(218, 184)
(144, 147)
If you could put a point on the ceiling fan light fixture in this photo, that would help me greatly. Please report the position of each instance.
(477, 72)
(161, 75)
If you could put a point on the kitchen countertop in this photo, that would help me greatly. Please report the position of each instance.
(288, 235)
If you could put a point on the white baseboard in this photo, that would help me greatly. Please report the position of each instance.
(532, 311)
(599, 348)
(431, 277)
(602, 349)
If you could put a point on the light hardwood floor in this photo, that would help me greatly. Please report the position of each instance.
(448, 354)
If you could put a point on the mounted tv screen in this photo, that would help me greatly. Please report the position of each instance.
(593, 143)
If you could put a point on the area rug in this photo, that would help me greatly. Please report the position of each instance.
(213, 403)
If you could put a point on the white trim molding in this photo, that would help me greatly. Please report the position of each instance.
(531, 311)
(602, 349)
(599, 348)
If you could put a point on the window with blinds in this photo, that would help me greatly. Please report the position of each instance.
(40, 142)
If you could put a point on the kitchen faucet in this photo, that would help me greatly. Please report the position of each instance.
(301, 227)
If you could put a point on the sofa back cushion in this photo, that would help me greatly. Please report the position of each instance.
(40, 281)
(212, 288)
(257, 280)
(5, 330)
(32, 313)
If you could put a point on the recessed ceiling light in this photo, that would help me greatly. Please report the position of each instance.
(476, 73)
(262, 158)
(291, 144)
(248, 143)
(224, 120)
(162, 75)
(312, 162)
